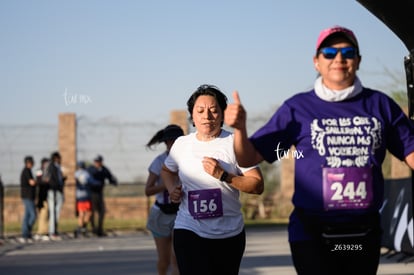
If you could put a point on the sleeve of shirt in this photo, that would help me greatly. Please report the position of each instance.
(276, 133)
(155, 166)
(171, 161)
(110, 176)
(24, 177)
(401, 134)
(242, 170)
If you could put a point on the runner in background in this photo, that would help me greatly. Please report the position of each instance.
(162, 214)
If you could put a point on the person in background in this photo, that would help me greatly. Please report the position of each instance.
(84, 181)
(209, 235)
(28, 193)
(43, 215)
(100, 173)
(341, 131)
(162, 214)
(56, 180)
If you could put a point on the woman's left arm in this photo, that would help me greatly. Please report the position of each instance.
(410, 160)
(250, 182)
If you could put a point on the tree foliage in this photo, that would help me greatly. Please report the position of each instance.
(397, 87)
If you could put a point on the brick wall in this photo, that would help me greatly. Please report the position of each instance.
(124, 208)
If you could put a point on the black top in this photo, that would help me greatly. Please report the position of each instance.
(43, 188)
(27, 191)
(101, 175)
(54, 177)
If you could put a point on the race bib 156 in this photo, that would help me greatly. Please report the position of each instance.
(205, 204)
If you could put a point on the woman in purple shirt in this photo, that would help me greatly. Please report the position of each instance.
(341, 131)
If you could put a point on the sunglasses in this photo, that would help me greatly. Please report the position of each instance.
(330, 52)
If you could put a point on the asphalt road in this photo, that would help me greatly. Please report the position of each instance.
(267, 252)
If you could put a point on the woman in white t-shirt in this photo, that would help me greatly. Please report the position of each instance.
(209, 236)
(163, 212)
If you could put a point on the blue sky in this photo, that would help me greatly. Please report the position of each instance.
(137, 60)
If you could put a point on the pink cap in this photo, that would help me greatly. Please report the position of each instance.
(336, 29)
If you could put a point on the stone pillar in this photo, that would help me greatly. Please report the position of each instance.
(179, 117)
(67, 149)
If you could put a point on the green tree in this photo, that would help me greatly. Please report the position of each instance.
(397, 87)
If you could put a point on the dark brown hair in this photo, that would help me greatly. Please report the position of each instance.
(171, 132)
(209, 90)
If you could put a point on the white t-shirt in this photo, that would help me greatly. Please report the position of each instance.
(155, 167)
(186, 157)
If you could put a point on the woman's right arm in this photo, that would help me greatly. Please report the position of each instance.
(170, 179)
(244, 150)
(151, 188)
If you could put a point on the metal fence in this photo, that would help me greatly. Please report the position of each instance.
(17, 141)
(122, 144)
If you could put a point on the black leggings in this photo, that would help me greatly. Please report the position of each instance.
(357, 256)
(201, 256)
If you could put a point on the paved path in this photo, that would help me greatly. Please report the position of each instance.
(267, 252)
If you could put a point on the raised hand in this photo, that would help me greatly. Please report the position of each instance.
(235, 115)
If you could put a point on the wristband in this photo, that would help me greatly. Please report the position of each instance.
(224, 176)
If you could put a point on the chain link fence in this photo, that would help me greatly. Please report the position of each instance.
(18, 141)
(122, 144)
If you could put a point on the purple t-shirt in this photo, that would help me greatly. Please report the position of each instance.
(348, 135)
